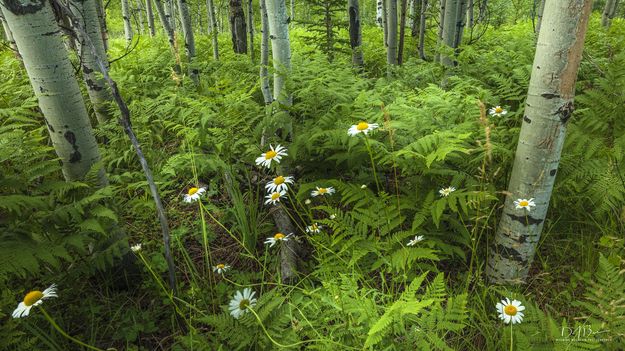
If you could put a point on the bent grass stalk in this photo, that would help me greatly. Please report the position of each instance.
(62, 332)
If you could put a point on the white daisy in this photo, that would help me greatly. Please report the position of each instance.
(241, 301)
(279, 183)
(275, 197)
(446, 191)
(221, 268)
(271, 155)
(362, 127)
(525, 203)
(193, 194)
(497, 111)
(417, 239)
(136, 248)
(314, 228)
(272, 240)
(322, 191)
(33, 298)
(510, 311)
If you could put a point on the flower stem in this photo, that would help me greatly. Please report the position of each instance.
(62, 332)
(375, 175)
(511, 336)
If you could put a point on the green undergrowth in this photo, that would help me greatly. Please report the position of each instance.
(362, 286)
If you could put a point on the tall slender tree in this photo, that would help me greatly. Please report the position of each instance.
(189, 40)
(539, 14)
(379, 13)
(103, 27)
(422, 23)
(237, 27)
(280, 48)
(128, 34)
(212, 20)
(450, 27)
(402, 31)
(609, 11)
(265, 86)
(355, 32)
(150, 15)
(391, 49)
(85, 11)
(250, 27)
(441, 25)
(139, 11)
(38, 38)
(548, 108)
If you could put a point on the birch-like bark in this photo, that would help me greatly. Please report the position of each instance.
(379, 13)
(150, 14)
(460, 22)
(470, 13)
(250, 27)
(8, 36)
(189, 40)
(213, 28)
(126, 16)
(449, 31)
(85, 11)
(38, 38)
(539, 15)
(391, 50)
(237, 27)
(548, 107)
(483, 9)
(422, 23)
(402, 32)
(292, 11)
(265, 86)
(280, 48)
(415, 14)
(355, 32)
(139, 12)
(165, 22)
(170, 14)
(103, 27)
(609, 10)
(441, 25)
(385, 22)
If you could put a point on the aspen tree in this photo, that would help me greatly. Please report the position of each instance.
(189, 40)
(355, 32)
(38, 38)
(280, 48)
(548, 108)
(449, 29)
(539, 15)
(402, 32)
(424, 5)
(265, 86)
(126, 16)
(99, 94)
(391, 49)
(212, 20)
(609, 10)
(237, 27)
(250, 27)
(150, 15)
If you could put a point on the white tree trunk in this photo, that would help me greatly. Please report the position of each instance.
(127, 17)
(150, 15)
(548, 107)
(213, 28)
(189, 40)
(99, 93)
(355, 32)
(379, 13)
(265, 86)
(280, 48)
(391, 50)
(38, 38)
(250, 27)
(450, 26)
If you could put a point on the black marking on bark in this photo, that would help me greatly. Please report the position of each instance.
(527, 119)
(51, 33)
(565, 111)
(50, 127)
(510, 254)
(86, 69)
(525, 220)
(75, 157)
(41, 89)
(70, 137)
(552, 172)
(92, 85)
(18, 8)
(550, 95)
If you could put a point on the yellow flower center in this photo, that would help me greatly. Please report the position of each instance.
(193, 191)
(362, 126)
(322, 190)
(278, 180)
(244, 303)
(523, 203)
(314, 227)
(275, 196)
(270, 154)
(32, 297)
(498, 109)
(510, 310)
(221, 266)
(279, 236)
